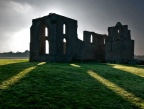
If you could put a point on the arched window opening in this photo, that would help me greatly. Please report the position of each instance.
(46, 31)
(91, 39)
(64, 46)
(46, 47)
(64, 29)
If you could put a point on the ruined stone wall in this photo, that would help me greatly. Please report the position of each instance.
(38, 39)
(79, 51)
(64, 45)
(94, 46)
(59, 51)
(66, 53)
(119, 46)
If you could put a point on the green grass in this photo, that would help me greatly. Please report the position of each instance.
(30, 85)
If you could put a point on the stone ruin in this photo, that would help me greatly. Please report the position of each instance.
(119, 47)
(54, 38)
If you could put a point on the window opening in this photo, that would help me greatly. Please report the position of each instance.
(64, 46)
(46, 47)
(91, 39)
(118, 31)
(64, 29)
(46, 31)
(118, 34)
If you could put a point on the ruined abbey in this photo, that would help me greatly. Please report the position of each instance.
(54, 38)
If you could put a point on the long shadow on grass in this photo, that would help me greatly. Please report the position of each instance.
(61, 86)
(128, 81)
(9, 70)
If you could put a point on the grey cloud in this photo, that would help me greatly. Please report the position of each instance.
(12, 19)
(93, 15)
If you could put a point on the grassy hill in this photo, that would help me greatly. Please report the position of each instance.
(43, 85)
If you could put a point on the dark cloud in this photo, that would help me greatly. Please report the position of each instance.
(92, 15)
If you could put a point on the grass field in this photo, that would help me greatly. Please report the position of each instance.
(29, 85)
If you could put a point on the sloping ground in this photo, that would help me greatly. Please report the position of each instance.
(30, 85)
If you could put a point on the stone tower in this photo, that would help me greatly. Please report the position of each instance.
(119, 46)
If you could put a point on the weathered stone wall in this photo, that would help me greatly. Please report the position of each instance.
(94, 46)
(70, 36)
(119, 46)
(38, 38)
(59, 51)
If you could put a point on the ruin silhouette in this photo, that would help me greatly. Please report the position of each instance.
(54, 38)
(119, 46)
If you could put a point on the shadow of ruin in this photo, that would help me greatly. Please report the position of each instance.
(54, 38)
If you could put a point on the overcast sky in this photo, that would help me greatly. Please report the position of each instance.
(92, 15)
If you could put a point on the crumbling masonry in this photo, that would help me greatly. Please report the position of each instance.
(54, 39)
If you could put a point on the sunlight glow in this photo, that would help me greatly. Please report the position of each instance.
(53, 10)
(20, 41)
(16, 78)
(129, 69)
(42, 63)
(118, 90)
(74, 65)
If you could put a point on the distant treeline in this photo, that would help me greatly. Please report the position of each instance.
(12, 54)
(27, 53)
